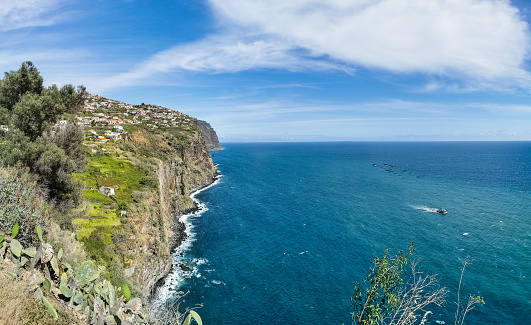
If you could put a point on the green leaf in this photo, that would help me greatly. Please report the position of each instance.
(64, 278)
(87, 272)
(127, 292)
(16, 247)
(50, 308)
(14, 230)
(79, 306)
(30, 251)
(2, 241)
(193, 315)
(38, 229)
(78, 298)
(60, 254)
(54, 264)
(66, 291)
(47, 284)
(112, 295)
(96, 273)
(23, 261)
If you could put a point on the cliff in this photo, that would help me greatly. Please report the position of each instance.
(158, 229)
(152, 157)
(94, 251)
(210, 136)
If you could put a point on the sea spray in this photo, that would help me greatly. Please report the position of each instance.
(183, 266)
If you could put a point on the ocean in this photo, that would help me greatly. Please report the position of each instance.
(289, 227)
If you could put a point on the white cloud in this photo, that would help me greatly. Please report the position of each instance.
(225, 53)
(477, 37)
(484, 42)
(24, 13)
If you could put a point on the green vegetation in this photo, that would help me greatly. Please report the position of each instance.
(193, 315)
(80, 286)
(388, 299)
(101, 227)
(30, 110)
(79, 193)
(128, 167)
(22, 203)
(382, 296)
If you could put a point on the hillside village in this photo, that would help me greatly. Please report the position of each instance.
(106, 119)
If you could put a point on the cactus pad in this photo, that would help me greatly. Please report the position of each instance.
(127, 292)
(66, 291)
(50, 308)
(16, 247)
(54, 264)
(87, 272)
(38, 230)
(14, 230)
(30, 251)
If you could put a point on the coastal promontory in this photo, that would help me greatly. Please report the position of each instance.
(92, 190)
(210, 136)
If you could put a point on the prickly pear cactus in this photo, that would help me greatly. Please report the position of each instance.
(87, 272)
(54, 264)
(126, 291)
(16, 247)
(66, 291)
(50, 308)
(38, 230)
(30, 251)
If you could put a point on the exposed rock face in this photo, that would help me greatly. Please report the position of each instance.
(158, 229)
(210, 136)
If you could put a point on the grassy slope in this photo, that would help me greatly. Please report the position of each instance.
(129, 167)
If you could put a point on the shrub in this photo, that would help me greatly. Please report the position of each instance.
(151, 181)
(22, 202)
(140, 196)
(31, 110)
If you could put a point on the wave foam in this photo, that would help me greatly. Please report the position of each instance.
(424, 208)
(184, 267)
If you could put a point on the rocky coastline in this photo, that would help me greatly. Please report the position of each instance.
(179, 179)
(179, 237)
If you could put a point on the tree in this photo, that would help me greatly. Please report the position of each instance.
(389, 300)
(69, 138)
(54, 169)
(382, 295)
(17, 83)
(32, 115)
(4, 116)
(31, 110)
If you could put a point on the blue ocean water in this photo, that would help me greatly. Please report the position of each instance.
(290, 227)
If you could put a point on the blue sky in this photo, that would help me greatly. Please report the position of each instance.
(299, 70)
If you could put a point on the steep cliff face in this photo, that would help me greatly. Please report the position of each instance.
(157, 228)
(210, 136)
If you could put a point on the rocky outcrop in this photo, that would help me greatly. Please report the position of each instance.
(210, 136)
(157, 228)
